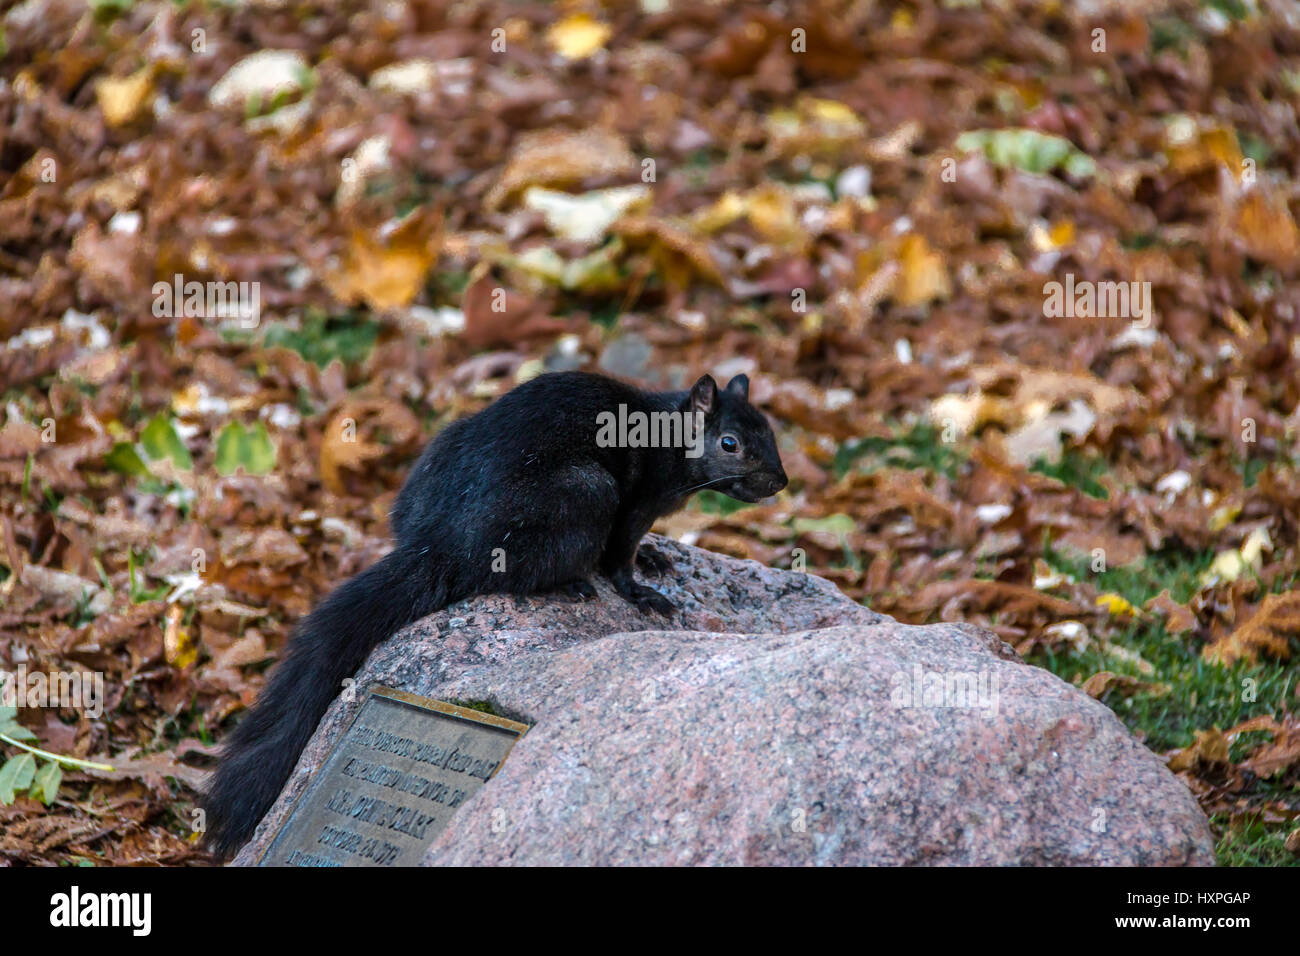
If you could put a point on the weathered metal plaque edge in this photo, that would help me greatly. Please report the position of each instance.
(450, 710)
(411, 700)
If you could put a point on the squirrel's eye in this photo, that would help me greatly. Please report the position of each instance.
(729, 444)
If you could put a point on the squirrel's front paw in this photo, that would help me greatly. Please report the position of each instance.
(653, 561)
(647, 599)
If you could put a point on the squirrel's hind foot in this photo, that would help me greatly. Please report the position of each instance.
(647, 599)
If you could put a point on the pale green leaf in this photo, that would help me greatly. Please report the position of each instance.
(16, 775)
(45, 785)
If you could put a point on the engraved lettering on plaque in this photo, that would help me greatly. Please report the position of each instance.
(392, 782)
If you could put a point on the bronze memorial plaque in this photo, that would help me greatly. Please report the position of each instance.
(392, 782)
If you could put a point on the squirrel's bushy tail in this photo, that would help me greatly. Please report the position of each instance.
(328, 646)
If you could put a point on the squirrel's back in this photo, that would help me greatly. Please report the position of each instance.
(507, 456)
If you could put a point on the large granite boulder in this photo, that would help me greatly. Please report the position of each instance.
(773, 721)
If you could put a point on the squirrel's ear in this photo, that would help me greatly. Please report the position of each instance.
(739, 386)
(704, 395)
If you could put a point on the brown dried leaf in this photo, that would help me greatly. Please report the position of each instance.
(387, 272)
(1098, 684)
(1209, 749)
(1269, 760)
(1179, 618)
(558, 158)
(1269, 630)
(343, 445)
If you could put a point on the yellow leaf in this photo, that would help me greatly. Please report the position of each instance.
(1230, 565)
(815, 127)
(1116, 605)
(902, 21)
(597, 271)
(1057, 236)
(924, 276)
(678, 255)
(1253, 548)
(1224, 516)
(1266, 228)
(721, 214)
(773, 215)
(178, 645)
(121, 99)
(1192, 146)
(388, 277)
(387, 273)
(969, 413)
(1227, 566)
(831, 111)
(578, 37)
(585, 218)
(770, 209)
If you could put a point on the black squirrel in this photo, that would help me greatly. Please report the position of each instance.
(531, 479)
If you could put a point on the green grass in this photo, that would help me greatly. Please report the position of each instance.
(1178, 571)
(1255, 148)
(1251, 843)
(448, 286)
(482, 706)
(1236, 10)
(606, 314)
(716, 503)
(1200, 694)
(918, 446)
(1140, 241)
(1172, 33)
(1078, 471)
(1252, 468)
(320, 339)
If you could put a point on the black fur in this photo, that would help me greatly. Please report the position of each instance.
(524, 480)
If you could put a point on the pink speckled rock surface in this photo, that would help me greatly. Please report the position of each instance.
(771, 725)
